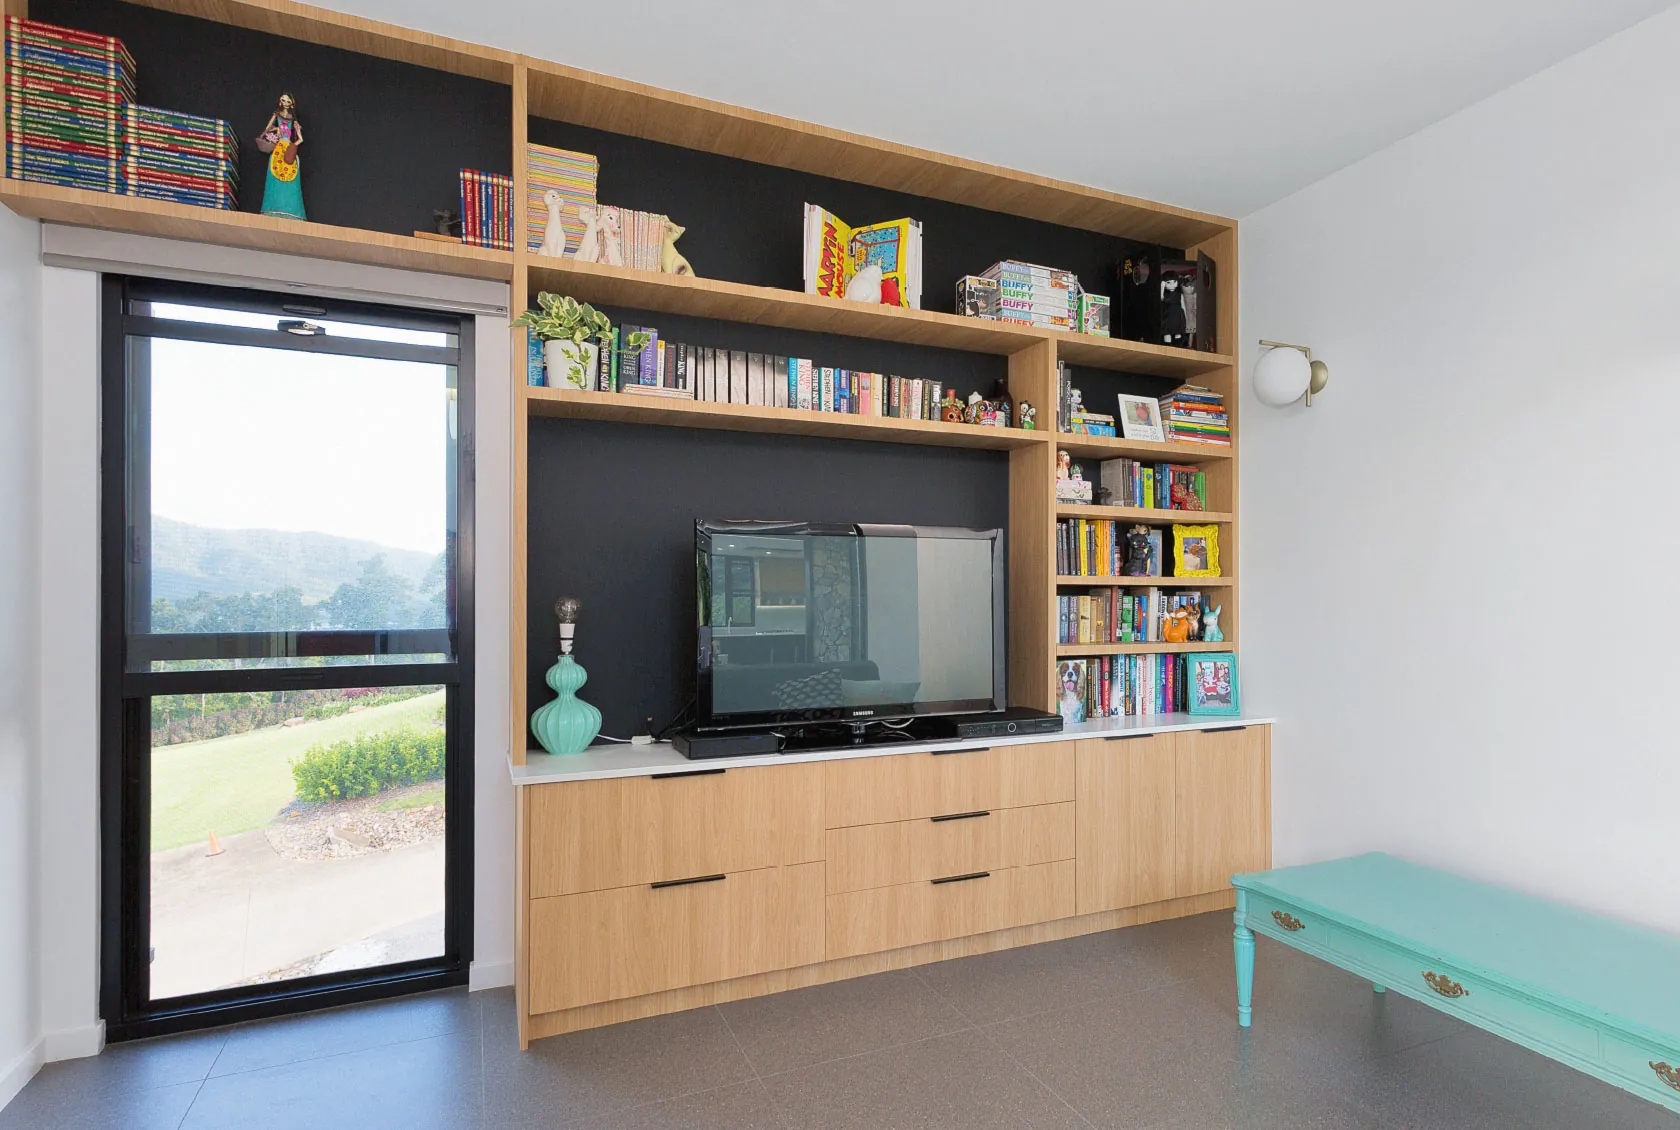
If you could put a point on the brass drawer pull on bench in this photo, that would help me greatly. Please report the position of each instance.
(1445, 985)
(1669, 1075)
(1288, 921)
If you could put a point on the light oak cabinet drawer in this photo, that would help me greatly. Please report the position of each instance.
(598, 835)
(609, 945)
(882, 855)
(911, 913)
(910, 786)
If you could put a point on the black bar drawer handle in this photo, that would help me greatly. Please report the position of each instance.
(1224, 729)
(688, 773)
(687, 882)
(958, 816)
(961, 878)
(1125, 737)
(976, 749)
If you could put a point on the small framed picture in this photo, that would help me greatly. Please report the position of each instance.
(1140, 418)
(1213, 683)
(1196, 551)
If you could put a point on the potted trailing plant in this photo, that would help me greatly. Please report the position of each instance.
(570, 332)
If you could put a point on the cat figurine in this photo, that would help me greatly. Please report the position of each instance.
(671, 261)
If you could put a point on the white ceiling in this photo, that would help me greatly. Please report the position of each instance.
(1219, 105)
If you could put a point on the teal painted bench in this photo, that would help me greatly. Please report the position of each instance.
(1599, 995)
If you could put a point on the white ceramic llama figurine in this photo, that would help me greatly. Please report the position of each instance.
(589, 245)
(612, 244)
(554, 235)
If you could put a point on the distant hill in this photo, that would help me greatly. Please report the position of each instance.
(188, 560)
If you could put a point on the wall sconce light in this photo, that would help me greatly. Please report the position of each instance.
(1284, 372)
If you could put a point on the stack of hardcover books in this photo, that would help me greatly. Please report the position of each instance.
(65, 94)
(569, 174)
(1031, 295)
(1193, 414)
(183, 158)
(487, 209)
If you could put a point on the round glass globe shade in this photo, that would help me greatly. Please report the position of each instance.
(1281, 377)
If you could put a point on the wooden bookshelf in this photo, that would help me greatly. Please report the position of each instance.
(629, 408)
(1114, 447)
(548, 90)
(792, 309)
(1146, 515)
(1076, 650)
(112, 212)
(1149, 582)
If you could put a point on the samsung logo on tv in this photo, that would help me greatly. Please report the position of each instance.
(862, 713)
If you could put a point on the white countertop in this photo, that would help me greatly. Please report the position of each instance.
(622, 760)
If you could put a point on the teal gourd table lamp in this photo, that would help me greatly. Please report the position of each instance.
(568, 724)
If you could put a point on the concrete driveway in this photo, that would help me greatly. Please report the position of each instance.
(219, 920)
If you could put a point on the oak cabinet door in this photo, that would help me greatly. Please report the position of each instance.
(1223, 808)
(1127, 822)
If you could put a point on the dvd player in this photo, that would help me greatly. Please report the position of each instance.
(1008, 722)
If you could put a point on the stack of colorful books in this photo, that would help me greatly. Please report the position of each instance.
(487, 209)
(183, 158)
(569, 174)
(1031, 295)
(65, 95)
(1193, 414)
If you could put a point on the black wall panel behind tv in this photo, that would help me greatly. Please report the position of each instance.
(383, 142)
(612, 522)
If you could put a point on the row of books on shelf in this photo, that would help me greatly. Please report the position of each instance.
(1027, 294)
(1153, 486)
(1116, 686)
(1113, 615)
(680, 371)
(1097, 547)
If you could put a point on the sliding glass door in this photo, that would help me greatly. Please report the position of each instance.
(288, 652)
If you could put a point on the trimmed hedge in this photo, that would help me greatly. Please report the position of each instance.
(363, 765)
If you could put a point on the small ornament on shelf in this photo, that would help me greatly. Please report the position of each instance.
(1138, 553)
(1210, 624)
(1026, 416)
(671, 261)
(554, 234)
(950, 408)
(280, 139)
(1175, 628)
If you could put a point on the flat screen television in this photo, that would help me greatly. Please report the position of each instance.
(802, 623)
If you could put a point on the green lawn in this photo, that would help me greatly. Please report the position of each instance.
(237, 783)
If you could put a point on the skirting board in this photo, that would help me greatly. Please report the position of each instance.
(489, 975)
(74, 1043)
(697, 996)
(15, 1075)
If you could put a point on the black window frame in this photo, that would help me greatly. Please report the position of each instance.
(125, 692)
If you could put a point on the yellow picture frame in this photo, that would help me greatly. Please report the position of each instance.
(1196, 551)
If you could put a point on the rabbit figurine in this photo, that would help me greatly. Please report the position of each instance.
(1210, 625)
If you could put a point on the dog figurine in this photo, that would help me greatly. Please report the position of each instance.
(554, 236)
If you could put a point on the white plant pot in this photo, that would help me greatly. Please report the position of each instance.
(570, 365)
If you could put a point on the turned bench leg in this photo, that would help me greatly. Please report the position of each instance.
(1376, 988)
(1242, 942)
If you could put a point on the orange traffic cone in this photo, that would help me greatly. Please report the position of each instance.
(216, 847)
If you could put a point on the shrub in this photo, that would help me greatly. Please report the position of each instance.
(362, 765)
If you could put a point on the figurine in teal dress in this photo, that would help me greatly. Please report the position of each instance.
(280, 139)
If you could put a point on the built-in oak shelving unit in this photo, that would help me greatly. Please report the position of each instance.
(542, 89)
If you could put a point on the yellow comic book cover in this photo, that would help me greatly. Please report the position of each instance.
(835, 252)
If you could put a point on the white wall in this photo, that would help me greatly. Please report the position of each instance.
(1459, 591)
(20, 308)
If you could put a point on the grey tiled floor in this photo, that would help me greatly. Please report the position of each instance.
(1129, 1029)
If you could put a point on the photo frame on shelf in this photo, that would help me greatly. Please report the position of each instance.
(1212, 684)
(1196, 551)
(1140, 418)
